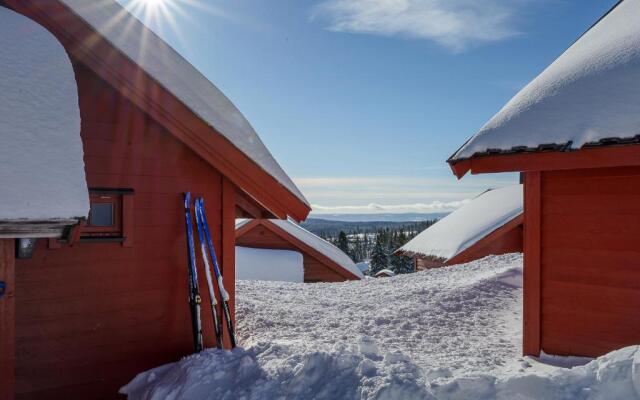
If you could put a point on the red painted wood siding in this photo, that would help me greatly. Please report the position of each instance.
(314, 270)
(508, 242)
(590, 260)
(424, 263)
(498, 242)
(7, 320)
(91, 316)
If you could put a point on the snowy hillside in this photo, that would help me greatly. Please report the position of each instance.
(446, 333)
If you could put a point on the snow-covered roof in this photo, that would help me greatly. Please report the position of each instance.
(317, 243)
(42, 175)
(589, 95)
(269, 265)
(385, 272)
(467, 225)
(178, 76)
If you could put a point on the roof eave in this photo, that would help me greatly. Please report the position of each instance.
(601, 156)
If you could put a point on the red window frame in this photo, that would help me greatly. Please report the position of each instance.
(121, 230)
(115, 229)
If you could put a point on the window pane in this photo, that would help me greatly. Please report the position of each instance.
(101, 214)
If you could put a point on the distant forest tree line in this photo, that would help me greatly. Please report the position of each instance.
(376, 245)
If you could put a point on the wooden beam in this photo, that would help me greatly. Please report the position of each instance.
(592, 157)
(7, 320)
(532, 264)
(250, 208)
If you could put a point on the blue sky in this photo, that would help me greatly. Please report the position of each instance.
(362, 101)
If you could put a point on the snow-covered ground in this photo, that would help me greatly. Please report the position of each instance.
(451, 333)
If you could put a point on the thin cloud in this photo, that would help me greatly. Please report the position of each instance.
(392, 194)
(373, 208)
(455, 24)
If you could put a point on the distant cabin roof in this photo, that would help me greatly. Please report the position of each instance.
(42, 175)
(385, 272)
(178, 76)
(313, 241)
(589, 96)
(467, 225)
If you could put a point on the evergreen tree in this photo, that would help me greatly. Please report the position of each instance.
(379, 259)
(343, 242)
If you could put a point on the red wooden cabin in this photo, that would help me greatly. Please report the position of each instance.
(489, 224)
(322, 261)
(574, 132)
(105, 301)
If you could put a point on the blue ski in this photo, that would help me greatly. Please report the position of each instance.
(194, 293)
(217, 326)
(199, 209)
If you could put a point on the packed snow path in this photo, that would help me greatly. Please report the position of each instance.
(448, 321)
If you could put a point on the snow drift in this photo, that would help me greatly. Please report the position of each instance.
(347, 373)
(366, 337)
(449, 333)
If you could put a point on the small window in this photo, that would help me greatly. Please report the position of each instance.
(105, 215)
(101, 214)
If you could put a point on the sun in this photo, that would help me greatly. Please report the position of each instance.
(154, 3)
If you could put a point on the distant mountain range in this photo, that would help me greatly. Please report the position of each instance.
(406, 217)
(330, 228)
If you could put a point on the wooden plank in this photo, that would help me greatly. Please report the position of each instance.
(588, 334)
(596, 203)
(611, 241)
(7, 320)
(617, 185)
(532, 267)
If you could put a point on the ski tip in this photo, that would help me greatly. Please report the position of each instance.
(187, 199)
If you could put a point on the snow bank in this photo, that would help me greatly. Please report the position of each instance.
(449, 333)
(589, 93)
(269, 265)
(613, 376)
(467, 225)
(368, 339)
(173, 72)
(42, 175)
(349, 372)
